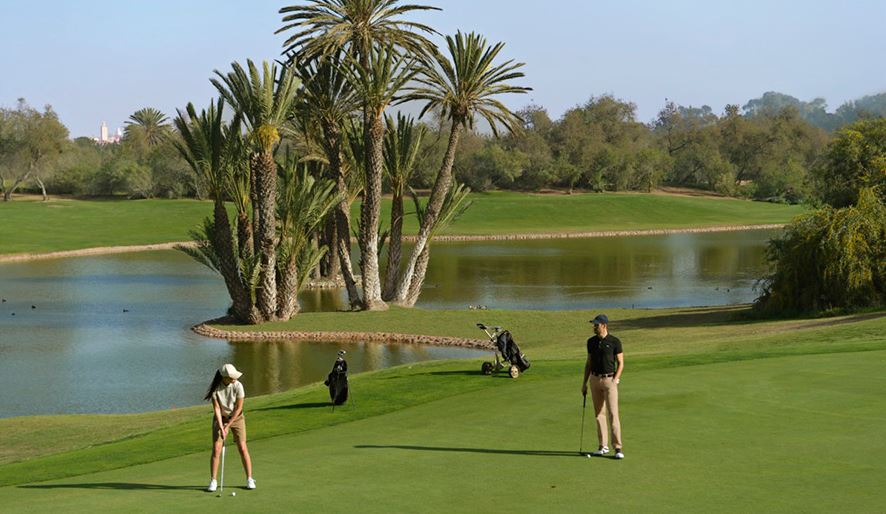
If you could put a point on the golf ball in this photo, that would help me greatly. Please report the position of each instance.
(589, 455)
(234, 494)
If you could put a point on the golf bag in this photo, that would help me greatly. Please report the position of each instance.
(510, 351)
(337, 381)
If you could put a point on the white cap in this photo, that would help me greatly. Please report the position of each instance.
(229, 371)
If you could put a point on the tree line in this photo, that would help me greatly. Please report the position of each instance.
(772, 148)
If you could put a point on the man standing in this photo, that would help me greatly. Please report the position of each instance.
(604, 366)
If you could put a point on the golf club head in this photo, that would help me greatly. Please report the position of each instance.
(481, 326)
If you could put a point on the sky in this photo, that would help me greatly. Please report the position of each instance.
(101, 61)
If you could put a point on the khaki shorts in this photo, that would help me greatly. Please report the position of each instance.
(238, 428)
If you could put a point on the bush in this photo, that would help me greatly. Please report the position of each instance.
(829, 259)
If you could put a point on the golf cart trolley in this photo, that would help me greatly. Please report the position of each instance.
(506, 351)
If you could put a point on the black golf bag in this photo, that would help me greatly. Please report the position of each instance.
(510, 351)
(337, 381)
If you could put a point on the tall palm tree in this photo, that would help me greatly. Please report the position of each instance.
(329, 100)
(370, 33)
(264, 99)
(461, 88)
(321, 27)
(149, 125)
(205, 145)
(378, 85)
(403, 140)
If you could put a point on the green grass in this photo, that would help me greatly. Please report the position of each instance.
(719, 413)
(33, 226)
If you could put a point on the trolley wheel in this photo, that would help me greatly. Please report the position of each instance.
(514, 371)
(486, 368)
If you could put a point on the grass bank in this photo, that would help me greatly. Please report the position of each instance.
(719, 412)
(60, 225)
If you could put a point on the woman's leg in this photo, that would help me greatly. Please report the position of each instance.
(213, 459)
(244, 457)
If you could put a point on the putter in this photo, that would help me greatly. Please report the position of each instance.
(221, 488)
(581, 443)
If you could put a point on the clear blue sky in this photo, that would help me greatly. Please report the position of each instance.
(95, 61)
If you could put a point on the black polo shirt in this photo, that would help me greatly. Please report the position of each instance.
(602, 353)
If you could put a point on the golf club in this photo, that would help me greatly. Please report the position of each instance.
(221, 488)
(584, 409)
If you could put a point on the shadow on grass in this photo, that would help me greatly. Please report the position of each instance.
(713, 316)
(311, 405)
(540, 453)
(121, 486)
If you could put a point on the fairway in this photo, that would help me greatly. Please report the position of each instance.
(60, 225)
(796, 433)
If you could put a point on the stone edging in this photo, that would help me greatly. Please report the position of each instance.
(103, 250)
(602, 233)
(337, 337)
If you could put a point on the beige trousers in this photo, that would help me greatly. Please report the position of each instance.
(604, 393)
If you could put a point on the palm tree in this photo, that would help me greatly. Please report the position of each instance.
(329, 101)
(371, 33)
(403, 140)
(322, 27)
(264, 99)
(304, 203)
(377, 85)
(148, 125)
(460, 89)
(205, 145)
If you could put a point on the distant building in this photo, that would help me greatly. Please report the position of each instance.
(105, 139)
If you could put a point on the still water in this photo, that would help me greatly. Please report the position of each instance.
(111, 333)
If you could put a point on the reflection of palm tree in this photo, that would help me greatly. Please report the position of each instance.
(460, 88)
(264, 99)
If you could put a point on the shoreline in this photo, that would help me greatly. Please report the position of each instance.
(204, 329)
(108, 250)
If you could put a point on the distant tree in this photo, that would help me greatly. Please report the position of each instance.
(33, 144)
(147, 126)
(866, 107)
(854, 160)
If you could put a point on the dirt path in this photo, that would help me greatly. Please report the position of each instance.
(104, 250)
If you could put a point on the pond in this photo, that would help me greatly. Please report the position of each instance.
(111, 333)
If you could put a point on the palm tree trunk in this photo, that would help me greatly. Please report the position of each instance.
(223, 242)
(265, 170)
(370, 213)
(342, 213)
(395, 249)
(342, 225)
(244, 235)
(287, 294)
(432, 213)
(418, 279)
(330, 266)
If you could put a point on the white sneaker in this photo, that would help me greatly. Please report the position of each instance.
(250, 483)
(213, 485)
(618, 454)
(601, 452)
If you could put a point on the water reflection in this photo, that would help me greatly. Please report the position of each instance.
(111, 333)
